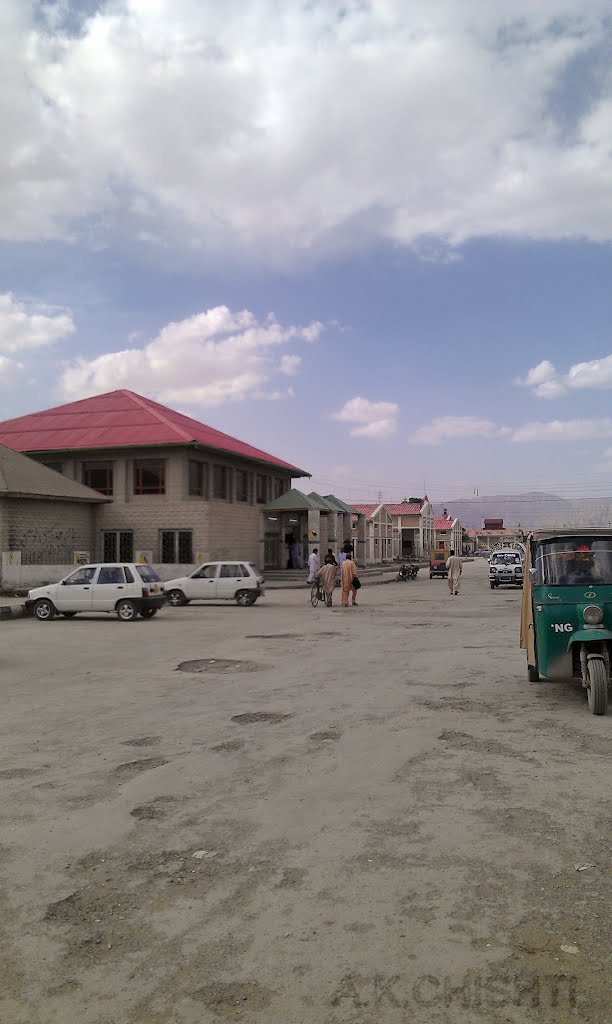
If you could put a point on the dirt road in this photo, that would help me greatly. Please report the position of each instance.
(370, 816)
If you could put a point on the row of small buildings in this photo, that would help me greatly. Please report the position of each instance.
(120, 477)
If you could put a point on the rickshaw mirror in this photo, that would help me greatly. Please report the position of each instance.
(532, 572)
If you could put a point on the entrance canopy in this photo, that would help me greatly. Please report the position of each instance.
(296, 524)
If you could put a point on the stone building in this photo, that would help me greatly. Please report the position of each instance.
(413, 527)
(449, 533)
(180, 492)
(490, 537)
(378, 532)
(46, 520)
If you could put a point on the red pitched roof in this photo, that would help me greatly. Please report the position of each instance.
(405, 508)
(120, 419)
(443, 523)
(365, 510)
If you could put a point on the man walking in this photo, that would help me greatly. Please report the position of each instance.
(327, 575)
(455, 568)
(349, 572)
(313, 565)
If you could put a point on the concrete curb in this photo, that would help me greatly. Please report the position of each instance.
(365, 582)
(12, 611)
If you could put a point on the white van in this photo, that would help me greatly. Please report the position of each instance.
(128, 590)
(217, 581)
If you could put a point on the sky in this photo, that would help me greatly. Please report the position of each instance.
(371, 238)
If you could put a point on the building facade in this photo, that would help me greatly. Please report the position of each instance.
(449, 534)
(177, 492)
(413, 528)
(378, 533)
(485, 540)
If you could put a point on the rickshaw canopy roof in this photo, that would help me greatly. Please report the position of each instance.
(538, 535)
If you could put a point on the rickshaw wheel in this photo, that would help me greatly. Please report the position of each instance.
(534, 675)
(597, 689)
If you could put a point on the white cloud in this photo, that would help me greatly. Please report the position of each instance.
(454, 428)
(290, 365)
(595, 374)
(25, 326)
(545, 381)
(373, 419)
(564, 430)
(275, 128)
(10, 371)
(207, 359)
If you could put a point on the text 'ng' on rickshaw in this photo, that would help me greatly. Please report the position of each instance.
(566, 616)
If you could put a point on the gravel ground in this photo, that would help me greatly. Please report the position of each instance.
(323, 817)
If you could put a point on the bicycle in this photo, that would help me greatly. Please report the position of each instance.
(316, 593)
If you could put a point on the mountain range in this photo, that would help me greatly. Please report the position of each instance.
(533, 510)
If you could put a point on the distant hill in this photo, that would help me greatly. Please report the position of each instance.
(531, 511)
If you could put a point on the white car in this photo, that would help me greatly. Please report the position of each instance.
(129, 590)
(217, 581)
(506, 569)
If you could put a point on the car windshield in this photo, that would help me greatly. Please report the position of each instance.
(508, 558)
(148, 574)
(574, 561)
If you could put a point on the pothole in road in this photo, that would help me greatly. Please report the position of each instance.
(291, 636)
(259, 716)
(326, 734)
(134, 767)
(142, 741)
(19, 773)
(218, 666)
(274, 636)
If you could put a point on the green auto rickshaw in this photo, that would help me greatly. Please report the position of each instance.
(566, 616)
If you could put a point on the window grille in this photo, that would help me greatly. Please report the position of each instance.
(118, 546)
(176, 547)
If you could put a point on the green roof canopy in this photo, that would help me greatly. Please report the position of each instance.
(296, 501)
(341, 506)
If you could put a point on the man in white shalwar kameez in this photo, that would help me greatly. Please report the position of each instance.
(455, 568)
(313, 565)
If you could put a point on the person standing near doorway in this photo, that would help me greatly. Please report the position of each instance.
(349, 573)
(296, 554)
(455, 568)
(313, 565)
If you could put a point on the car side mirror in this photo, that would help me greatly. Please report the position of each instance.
(532, 573)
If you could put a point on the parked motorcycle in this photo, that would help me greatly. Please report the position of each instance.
(407, 572)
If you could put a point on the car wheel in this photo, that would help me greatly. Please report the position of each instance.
(245, 598)
(148, 613)
(44, 610)
(126, 610)
(176, 598)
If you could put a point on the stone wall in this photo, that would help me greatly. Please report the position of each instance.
(46, 531)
